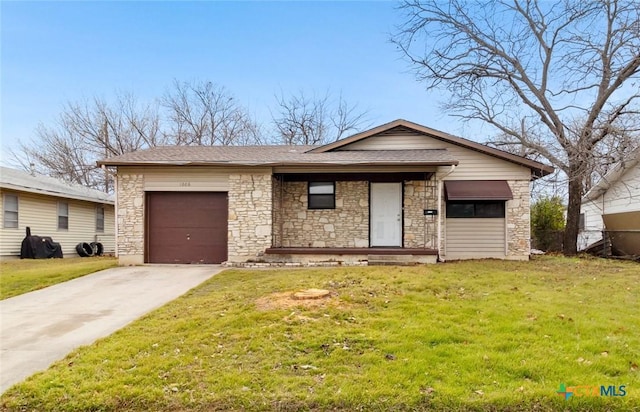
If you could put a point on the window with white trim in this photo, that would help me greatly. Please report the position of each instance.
(10, 208)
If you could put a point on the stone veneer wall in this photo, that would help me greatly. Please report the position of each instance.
(419, 230)
(345, 226)
(348, 224)
(518, 220)
(250, 215)
(130, 195)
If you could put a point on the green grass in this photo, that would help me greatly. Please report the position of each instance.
(480, 335)
(22, 276)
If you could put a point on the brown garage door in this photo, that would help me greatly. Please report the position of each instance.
(186, 227)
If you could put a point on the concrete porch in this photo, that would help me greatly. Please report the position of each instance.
(351, 256)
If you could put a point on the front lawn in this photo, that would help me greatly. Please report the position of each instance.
(482, 335)
(25, 275)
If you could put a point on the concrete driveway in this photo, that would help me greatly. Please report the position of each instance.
(41, 327)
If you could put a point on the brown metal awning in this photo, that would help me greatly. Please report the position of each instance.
(477, 190)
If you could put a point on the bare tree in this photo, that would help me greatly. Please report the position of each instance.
(202, 113)
(300, 119)
(91, 130)
(197, 114)
(558, 78)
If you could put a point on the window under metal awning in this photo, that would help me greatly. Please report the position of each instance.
(477, 190)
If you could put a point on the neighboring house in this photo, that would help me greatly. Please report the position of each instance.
(400, 191)
(69, 214)
(613, 204)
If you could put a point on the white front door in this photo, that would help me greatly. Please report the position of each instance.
(385, 214)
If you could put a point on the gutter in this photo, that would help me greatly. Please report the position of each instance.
(277, 164)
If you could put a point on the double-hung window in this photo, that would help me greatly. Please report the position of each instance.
(100, 218)
(10, 208)
(63, 216)
(322, 195)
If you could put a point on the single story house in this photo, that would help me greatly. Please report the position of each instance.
(613, 205)
(70, 214)
(399, 191)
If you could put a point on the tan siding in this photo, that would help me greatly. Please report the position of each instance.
(473, 165)
(189, 178)
(394, 141)
(475, 237)
(40, 213)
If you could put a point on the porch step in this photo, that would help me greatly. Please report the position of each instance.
(391, 260)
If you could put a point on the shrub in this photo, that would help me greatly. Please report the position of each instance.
(547, 223)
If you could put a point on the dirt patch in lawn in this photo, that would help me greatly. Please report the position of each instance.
(292, 299)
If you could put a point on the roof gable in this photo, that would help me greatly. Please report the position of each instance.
(617, 173)
(389, 129)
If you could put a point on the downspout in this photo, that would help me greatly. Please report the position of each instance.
(424, 229)
(115, 211)
(115, 206)
(440, 216)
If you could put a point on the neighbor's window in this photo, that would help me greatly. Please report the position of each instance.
(10, 207)
(63, 216)
(322, 195)
(581, 222)
(470, 209)
(100, 219)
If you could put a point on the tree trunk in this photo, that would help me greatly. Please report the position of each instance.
(570, 246)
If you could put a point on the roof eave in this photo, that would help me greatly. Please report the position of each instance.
(272, 164)
(369, 163)
(55, 194)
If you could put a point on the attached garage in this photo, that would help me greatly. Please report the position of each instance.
(475, 218)
(186, 227)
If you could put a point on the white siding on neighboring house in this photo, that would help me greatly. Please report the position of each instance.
(40, 213)
(473, 165)
(623, 195)
(593, 224)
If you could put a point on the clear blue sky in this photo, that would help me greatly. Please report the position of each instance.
(55, 52)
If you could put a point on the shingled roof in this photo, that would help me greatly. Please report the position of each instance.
(281, 155)
(277, 156)
(37, 183)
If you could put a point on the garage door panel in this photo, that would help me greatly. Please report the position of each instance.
(195, 236)
(186, 227)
